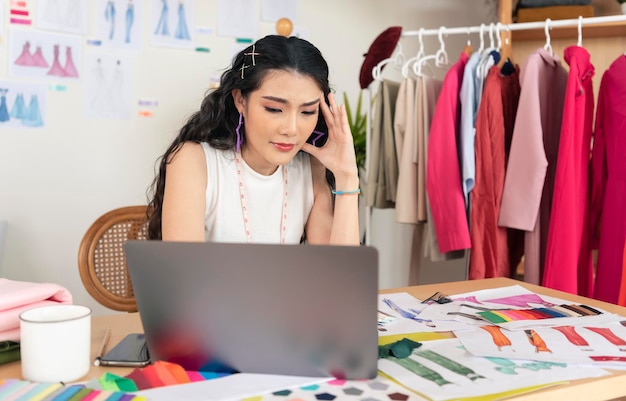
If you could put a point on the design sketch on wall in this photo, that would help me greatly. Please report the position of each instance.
(35, 54)
(69, 16)
(22, 105)
(107, 86)
(119, 23)
(168, 14)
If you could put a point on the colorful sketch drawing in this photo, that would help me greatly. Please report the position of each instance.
(18, 110)
(56, 68)
(39, 59)
(449, 364)
(162, 28)
(408, 314)
(573, 337)
(109, 16)
(509, 367)
(32, 115)
(471, 298)
(498, 337)
(25, 58)
(420, 370)
(536, 340)
(181, 27)
(609, 336)
(69, 69)
(521, 301)
(4, 110)
(130, 19)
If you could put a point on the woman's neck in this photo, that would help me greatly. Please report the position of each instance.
(260, 166)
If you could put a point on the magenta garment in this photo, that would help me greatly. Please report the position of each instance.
(529, 180)
(443, 176)
(608, 169)
(568, 265)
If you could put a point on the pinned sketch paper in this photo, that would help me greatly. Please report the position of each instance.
(444, 370)
(238, 18)
(22, 105)
(108, 89)
(70, 16)
(34, 54)
(171, 23)
(119, 23)
(273, 10)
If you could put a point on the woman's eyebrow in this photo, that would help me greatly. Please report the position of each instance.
(285, 101)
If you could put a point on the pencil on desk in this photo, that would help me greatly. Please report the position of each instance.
(105, 342)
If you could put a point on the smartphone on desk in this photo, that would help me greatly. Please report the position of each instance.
(132, 351)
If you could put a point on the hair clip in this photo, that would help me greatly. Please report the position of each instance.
(243, 67)
(253, 53)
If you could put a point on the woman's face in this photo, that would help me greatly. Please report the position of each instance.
(278, 118)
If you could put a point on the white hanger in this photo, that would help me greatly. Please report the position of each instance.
(440, 57)
(482, 38)
(420, 54)
(398, 61)
(498, 27)
(546, 29)
(580, 31)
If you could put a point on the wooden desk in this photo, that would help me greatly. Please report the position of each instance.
(604, 388)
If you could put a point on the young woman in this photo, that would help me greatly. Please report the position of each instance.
(251, 165)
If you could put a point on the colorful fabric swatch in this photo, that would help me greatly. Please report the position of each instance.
(499, 316)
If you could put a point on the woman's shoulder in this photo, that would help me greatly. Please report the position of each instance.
(187, 151)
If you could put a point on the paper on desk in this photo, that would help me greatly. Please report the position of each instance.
(444, 370)
(413, 306)
(232, 387)
(514, 298)
(603, 345)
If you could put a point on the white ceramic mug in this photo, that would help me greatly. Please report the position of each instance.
(55, 343)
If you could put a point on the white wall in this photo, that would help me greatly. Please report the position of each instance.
(55, 182)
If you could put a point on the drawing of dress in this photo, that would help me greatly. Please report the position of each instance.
(102, 101)
(609, 336)
(130, 18)
(18, 110)
(25, 58)
(497, 336)
(162, 28)
(33, 116)
(39, 59)
(4, 111)
(109, 15)
(181, 27)
(70, 69)
(56, 68)
(573, 337)
(117, 88)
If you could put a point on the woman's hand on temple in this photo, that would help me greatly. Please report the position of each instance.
(337, 154)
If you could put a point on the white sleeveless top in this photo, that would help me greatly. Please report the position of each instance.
(223, 217)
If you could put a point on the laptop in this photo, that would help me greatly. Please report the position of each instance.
(303, 310)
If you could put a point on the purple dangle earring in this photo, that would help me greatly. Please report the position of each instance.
(237, 130)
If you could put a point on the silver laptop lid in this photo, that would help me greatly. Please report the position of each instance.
(306, 310)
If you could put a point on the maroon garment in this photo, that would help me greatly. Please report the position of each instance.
(608, 169)
(568, 265)
(443, 175)
(494, 124)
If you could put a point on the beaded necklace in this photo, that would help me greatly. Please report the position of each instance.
(244, 202)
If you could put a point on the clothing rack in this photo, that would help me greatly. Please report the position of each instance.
(521, 26)
(500, 29)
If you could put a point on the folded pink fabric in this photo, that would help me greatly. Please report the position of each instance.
(18, 296)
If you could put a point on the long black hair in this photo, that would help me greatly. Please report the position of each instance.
(217, 118)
